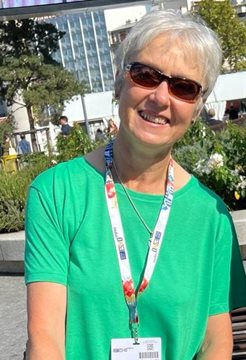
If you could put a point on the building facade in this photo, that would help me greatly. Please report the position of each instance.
(85, 50)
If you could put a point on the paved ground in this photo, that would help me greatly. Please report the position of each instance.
(12, 317)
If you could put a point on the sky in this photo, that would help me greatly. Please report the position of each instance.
(118, 16)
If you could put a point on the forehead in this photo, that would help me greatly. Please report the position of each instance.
(172, 56)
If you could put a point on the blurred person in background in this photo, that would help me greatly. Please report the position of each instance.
(23, 145)
(65, 127)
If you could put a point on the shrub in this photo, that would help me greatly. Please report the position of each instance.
(75, 144)
(13, 192)
(14, 186)
(218, 159)
(6, 127)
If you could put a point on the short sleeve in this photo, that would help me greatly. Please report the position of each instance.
(46, 248)
(237, 277)
(229, 280)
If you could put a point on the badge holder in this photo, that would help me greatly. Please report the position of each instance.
(128, 349)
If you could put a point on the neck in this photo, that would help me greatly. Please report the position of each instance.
(140, 169)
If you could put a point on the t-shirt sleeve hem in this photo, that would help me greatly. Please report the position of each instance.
(39, 277)
(219, 309)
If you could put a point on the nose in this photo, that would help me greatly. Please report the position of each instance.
(161, 94)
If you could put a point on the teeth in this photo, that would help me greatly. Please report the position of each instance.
(153, 119)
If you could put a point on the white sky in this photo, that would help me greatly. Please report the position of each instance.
(118, 16)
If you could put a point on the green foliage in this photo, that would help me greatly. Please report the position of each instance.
(40, 84)
(13, 192)
(222, 18)
(6, 127)
(75, 144)
(14, 186)
(12, 202)
(28, 37)
(218, 159)
(29, 77)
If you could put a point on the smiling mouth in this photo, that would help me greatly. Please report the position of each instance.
(153, 119)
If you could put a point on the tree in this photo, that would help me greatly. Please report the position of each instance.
(29, 37)
(6, 127)
(222, 18)
(29, 76)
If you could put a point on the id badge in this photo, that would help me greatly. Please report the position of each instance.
(126, 349)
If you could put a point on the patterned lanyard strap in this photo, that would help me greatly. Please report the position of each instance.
(119, 238)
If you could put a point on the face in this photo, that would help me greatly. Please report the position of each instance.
(154, 116)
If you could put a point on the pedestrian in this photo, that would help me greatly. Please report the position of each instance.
(65, 127)
(212, 118)
(99, 135)
(9, 155)
(233, 113)
(23, 145)
(8, 147)
(129, 256)
(112, 128)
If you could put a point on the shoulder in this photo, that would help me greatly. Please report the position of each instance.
(210, 209)
(202, 201)
(62, 175)
(198, 190)
(209, 197)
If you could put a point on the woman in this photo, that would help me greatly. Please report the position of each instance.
(112, 128)
(8, 148)
(9, 157)
(130, 217)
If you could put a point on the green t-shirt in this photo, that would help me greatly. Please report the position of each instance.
(69, 241)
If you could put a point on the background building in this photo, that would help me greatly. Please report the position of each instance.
(85, 50)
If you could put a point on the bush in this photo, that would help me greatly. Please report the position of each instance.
(13, 192)
(6, 127)
(75, 144)
(218, 159)
(14, 186)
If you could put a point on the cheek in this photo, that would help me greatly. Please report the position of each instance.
(128, 99)
(186, 112)
(125, 107)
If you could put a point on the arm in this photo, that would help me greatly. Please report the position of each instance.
(218, 342)
(46, 311)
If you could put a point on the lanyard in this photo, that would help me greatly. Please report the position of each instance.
(119, 238)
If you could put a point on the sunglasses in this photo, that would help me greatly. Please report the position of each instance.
(149, 78)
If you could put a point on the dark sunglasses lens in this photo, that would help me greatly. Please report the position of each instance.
(184, 89)
(145, 76)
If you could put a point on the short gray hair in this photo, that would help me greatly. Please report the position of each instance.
(200, 43)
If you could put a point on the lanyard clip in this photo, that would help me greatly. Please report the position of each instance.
(134, 323)
(134, 330)
(133, 313)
